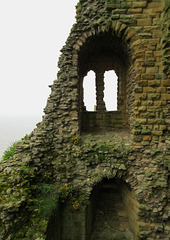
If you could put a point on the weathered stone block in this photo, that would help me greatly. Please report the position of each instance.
(156, 127)
(127, 16)
(149, 90)
(160, 103)
(155, 138)
(112, 5)
(147, 138)
(125, 4)
(148, 76)
(151, 121)
(142, 108)
(140, 4)
(142, 15)
(135, 10)
(139, 89)
(161, 90)
(163, 127)
(152, 109)
(145, 35)
(148, 64)
(141, 120)
(153, 42)
(149, 54)
(150, 70)
(158, 76)
(119, 11)
(115, 16)
(143, 83)
(151, 115)
(166, 83)
(156, 21)
(130, 21)
(158, 53)
(145, 143)
(158, 10)
(165, 97)
(155, 96)
(136, 131)
(156, 33)
(138, 139)
(157, 133)
(144, 22)
(155, 4)
(147, 103)
(139, 97)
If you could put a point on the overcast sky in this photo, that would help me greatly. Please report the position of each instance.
(32, 32)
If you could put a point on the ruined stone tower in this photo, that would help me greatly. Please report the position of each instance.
(110, 167)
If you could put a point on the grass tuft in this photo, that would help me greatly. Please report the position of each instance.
(9, 152)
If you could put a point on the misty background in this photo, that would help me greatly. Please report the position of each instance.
(32, 32)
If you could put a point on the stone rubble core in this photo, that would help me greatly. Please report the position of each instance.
(117, 162)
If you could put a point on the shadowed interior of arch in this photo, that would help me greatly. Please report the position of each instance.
(111, 211)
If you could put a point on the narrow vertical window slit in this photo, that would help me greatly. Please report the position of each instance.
(89, 91)
(110, 90)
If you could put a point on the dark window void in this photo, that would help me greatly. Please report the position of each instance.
(110, 86)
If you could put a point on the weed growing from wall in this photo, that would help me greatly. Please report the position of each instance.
(47, 200)
(45, 203)
(69, 192)
(76, 140)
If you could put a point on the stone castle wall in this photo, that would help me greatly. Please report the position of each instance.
(132, 38)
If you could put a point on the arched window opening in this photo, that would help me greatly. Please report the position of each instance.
(89, 93)
(110, 90)
(110, 95)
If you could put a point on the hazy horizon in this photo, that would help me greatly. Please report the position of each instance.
(32, 34)
(14, 128)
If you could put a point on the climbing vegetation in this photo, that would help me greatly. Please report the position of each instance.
(70, 192)
(76, 140)
(9, 152)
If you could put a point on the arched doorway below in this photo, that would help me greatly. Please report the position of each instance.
(112, 213)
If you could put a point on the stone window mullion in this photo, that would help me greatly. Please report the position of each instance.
(100, 91)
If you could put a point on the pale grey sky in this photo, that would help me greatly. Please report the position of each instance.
(32, 32)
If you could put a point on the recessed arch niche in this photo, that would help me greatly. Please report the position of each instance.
(100, 53)
(112, 212)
